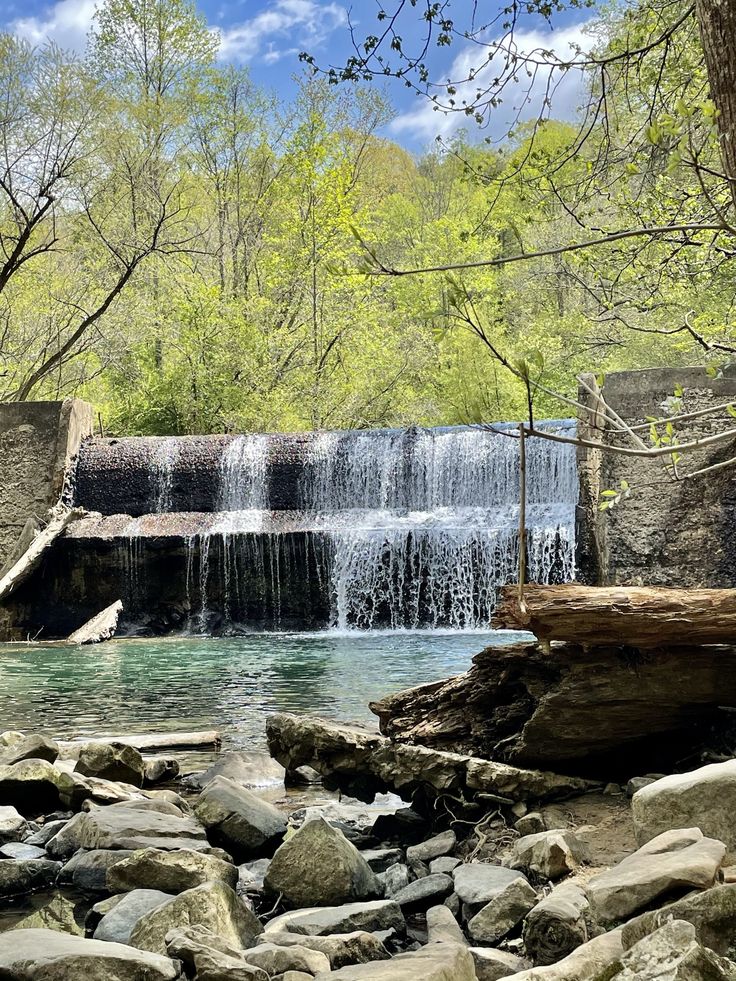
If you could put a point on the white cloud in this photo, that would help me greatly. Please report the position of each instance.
(66, 22)
(297, 24)
(524, 98)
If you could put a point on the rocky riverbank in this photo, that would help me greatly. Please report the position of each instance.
(483, 871)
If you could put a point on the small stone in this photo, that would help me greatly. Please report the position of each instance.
(19, 850)
(88, 871)
(117, 924)
(445, 864)
(45, 833)
(491, 923)
(519, 809)
(442, 926)
(531, 824)
(477, 883)
(425, 851)
(382, 914)
(160, 769)
(274, 959)
(251, 875)
(637, 783)
(425, 892)
(551, 854)
(394, 879)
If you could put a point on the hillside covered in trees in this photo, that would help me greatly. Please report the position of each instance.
(192, 256)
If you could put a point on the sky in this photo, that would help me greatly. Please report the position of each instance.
(267, 36)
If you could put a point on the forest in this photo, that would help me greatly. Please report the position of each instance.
(193, 256)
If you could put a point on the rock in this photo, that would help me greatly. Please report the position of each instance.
(208, 956)
(359, 947)
(128, 827)
(673, 952)
(11, 737)
(382, 914)
(24, 876)
(675, 860)
(712, 913)
(117, 925)
(251, 770)
(443, 927)
(33, 786)
(491, 965)
(508, 908)
(560, 923)
(704, 798)
(111, 761)
(422, 893)
(638, 783)
(59, 912)
(425, 851)
(237, 819)
(551, 854)
(88, 871)
(292, 976)
(380, 859)
(46, 955)
(404, 826)
(477, 883)
(32, 747)
(83, 790)
(318, 866)
(45, 833)
(13, 826)
(445, 864)
(159, 770)
(251, 875)
(531, 824)
(597, 960)
(276, 959)
(169, 871)
(435, 962)
(212, 905)
(101, 627)
(394, 879)
(18, 850)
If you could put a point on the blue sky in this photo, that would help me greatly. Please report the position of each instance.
(268, 35)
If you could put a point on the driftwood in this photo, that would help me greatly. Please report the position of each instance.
(639, 616)
(605, 711)
(100, 627)
(558, 924)
(145, 742)
(61, 518)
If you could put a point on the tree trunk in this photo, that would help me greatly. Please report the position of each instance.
(637, 616)
(717, 24)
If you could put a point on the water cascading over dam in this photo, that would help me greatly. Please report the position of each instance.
(375, 529)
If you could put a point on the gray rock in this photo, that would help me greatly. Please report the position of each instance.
(638, 783)
(88, 871)
(208, 956)
(45, 833)
(704, 798)
(443, 927)
(676, 860)
(212, 905)
(502, 913)
(359, 947)
(382, 914)
(318, 866)
(18, 877)
(425, 851)
(551, 854)
(33, 786)
(491, 965)
(111, 761)
(531, 824)
(275, 959)
(435, 962)
(159, 769)
(673, 952)
(117, 925)
(251, 770)
(48, 955)
(32, 747)
(446, 864)
(170, 871)
(128, 827)
(55, 912)
(380, 859)
(596, 960)
(251, 875)
(238, 820)
(477, 883)
(423, 893)
(394, 879)
(712, 913)
(13, 826)
(17, 849)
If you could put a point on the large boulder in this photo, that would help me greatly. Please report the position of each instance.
(672, 862)
(275, 959)
(712, 913)
(13, 826)
(502, 913)
(123, 915)
(381, 914)
(674, 953)
(558, 924)
(33, 786)
(551, 854)
(111, 761)
(19, 877)
(442, 926)
(158, 825)
(239, 820)
(212, 905)
(209, 957)
(703, 798)
(31, 747)
(88, 870)
(435, 962)
(170, 871)
(252, 770)
(318, 866)
(47, 955)
(358, 947)
(597, 960)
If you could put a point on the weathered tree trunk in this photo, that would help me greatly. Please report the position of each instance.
(717, 24)
(638, 616)
(559, 924)
(31, 558)
(605, 711)
(101, 627)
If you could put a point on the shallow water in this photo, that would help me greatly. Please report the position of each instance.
(231, 684)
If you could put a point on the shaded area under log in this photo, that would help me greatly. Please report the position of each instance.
(610, 711)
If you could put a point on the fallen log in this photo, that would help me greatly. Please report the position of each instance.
(638, 616)
(61, 518)
(101, 627)
(605, 711)
(145, 742)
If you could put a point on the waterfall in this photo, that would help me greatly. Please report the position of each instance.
(243, 474)
(163, 459)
